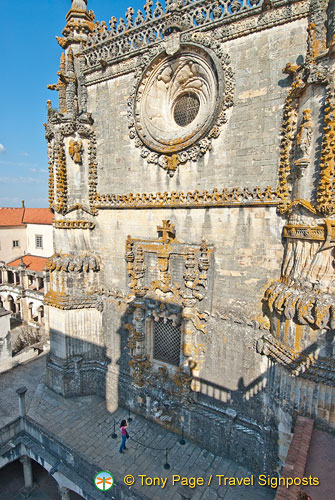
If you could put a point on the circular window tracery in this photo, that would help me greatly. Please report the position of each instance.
(201, 69)
(178, 99)
(186, 109)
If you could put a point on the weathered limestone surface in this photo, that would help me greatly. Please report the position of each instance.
(193, 273)
(245, 154)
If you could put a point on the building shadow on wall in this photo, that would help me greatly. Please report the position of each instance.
(241, 423)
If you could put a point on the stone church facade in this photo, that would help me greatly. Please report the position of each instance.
(192, 178)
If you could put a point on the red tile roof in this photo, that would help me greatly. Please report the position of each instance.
(37, 216)
(22, 216)
(11, 216)
(32, 262)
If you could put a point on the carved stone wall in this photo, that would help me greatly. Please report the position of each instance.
(182, 122)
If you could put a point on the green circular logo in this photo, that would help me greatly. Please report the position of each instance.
(103, 481)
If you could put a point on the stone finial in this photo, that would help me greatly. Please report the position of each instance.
(22, 266)
(79, 4)
(79, 23)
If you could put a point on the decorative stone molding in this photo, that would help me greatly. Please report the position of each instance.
(300, 304)
(232, 19)
(73, 224)
(58, 128)
(72, 263)
(168, 130)
(298, 364)
(302, 232)
(215, 198)
(69, 302)
(72, 120)
(326, 190)
(304, 305)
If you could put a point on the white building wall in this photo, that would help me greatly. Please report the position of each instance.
(7, 236)
(44, 230)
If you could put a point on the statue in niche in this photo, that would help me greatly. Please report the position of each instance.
(303, 148)
(75, 150)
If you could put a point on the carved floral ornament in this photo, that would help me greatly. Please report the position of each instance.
(179, 103)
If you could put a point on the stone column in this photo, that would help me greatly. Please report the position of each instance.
(64, 493)
(39, 312)
(27, 472)
(139, 325)
(21, 391)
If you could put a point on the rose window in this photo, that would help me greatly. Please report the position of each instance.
(178, 99)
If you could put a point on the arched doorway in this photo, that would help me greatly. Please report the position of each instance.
(11, 304)
(40, 315)
(30, 309)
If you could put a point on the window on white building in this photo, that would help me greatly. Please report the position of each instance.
(15, 243)
(38, 241)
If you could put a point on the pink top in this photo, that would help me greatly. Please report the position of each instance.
(123, 431)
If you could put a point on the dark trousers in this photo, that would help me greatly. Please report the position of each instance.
(123, 443)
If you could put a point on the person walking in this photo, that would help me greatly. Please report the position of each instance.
(124, 434)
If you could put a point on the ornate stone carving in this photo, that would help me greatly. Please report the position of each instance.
(202, 15)
(72, 263)
(311, 73)
(304, 232)
(76, 150)
(73, 224)
(298, 364)
(139, 367)
(163, 296)
(58, 128)
(178, 105)
(300, 304)
(215, 198)
(79, 24)
(196, 262)
(304, 305)
(67, 302)
(325, 191)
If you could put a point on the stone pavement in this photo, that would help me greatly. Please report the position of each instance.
(28, 374)
(85, 425)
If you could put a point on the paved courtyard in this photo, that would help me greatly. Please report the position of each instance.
(28, 374)
(85, 425)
